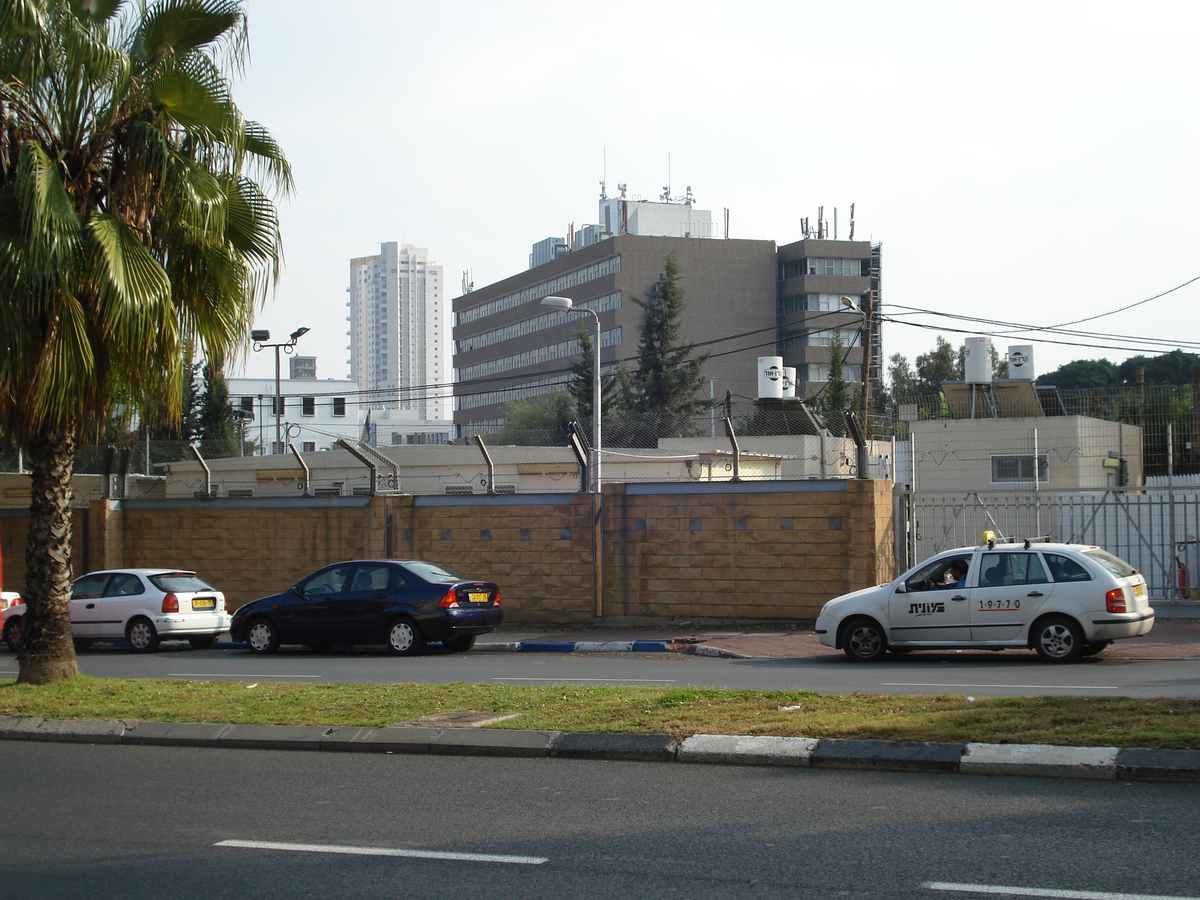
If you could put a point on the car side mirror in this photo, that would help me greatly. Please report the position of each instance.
(902, 588)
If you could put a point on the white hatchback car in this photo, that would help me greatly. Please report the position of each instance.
(1062, 600)
(142, 606)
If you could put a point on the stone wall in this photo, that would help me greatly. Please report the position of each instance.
(755, 550)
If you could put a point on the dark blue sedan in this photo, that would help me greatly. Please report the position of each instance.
(403, 603)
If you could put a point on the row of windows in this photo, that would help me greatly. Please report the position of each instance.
(821, 338)
(548, 353)
(818, 265)
(537, 323)
(820, 372)
(308, 405)
(527, 390)
(789, 306)
(548, 288)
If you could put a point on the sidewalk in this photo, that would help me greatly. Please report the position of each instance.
(1168, 640)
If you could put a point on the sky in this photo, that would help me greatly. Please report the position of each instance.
(1022, 162)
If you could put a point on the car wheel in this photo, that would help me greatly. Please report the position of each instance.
(12, 633)
(1058, 639)
(204, 641)
(262, 636)
(404, 638)
(863, 640)
(1094, 647)
(142, 635)
(459, 644)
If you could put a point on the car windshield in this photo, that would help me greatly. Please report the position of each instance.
(1114, 564)
(180, 581)
(432, 572)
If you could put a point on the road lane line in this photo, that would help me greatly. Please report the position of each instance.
(599, 680)
(1045, 892)
(385, 851)
(1062, 687)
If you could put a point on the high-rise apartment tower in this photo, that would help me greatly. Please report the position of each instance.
(400, 331)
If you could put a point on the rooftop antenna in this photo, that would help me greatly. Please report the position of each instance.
(604, 176)
(851, 236)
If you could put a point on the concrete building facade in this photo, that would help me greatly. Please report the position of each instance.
(508, 346)
(400, 331)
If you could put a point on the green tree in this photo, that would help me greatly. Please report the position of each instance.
(901, 377)
(942, 363)
(132, 230)
(215, 427)
(835, 398)
(664, 391)
(540, 421)
(614, 392)
(1175, 367)
(1083, 374)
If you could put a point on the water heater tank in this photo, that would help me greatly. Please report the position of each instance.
(770, 377)
(1020, 362)
(789, 382)
(977, 367)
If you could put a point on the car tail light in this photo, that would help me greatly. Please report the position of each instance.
(1114, 601)
(496, 598)
(170, 603)
(450, 601)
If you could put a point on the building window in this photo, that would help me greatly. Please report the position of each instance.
(308, 406)
(248, 405)
(339, 406)
(278, 405)
(1018, 467)
(311, 446)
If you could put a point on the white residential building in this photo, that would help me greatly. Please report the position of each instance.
(400, 332)
(313, 413)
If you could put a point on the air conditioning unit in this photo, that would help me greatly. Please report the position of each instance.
(214, 491)
(505, 488)
(240, 493)
(459, 490)
(329, 490)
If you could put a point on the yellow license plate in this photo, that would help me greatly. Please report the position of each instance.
(478, 597)
(1139, 590)
(204, 603)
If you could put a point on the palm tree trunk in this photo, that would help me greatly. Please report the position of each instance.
(47, 654)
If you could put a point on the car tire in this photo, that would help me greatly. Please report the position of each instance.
(142, 635)
(459, 644)
(863, 640)
(403, 637)
(1094, 647)
(1058, 639)
(12, 633)
(262, 636)
(204, 641)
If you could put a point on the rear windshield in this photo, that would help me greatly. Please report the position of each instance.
(180, 581)
(432, 572)
(1114, 564)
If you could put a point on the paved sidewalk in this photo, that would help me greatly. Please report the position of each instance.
(1168, 640)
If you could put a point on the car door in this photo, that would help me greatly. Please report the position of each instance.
(361, 606)
(124, 596)
(86, 593)
(925, 608)
(315, 616)
(1013, 587)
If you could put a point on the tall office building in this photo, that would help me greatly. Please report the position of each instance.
(400, 331)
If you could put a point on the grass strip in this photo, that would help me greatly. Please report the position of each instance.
(1065, 721)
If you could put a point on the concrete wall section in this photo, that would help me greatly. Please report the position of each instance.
(751, 550)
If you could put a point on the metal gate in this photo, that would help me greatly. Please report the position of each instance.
(1157, 530)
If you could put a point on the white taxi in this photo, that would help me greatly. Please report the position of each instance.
(1064, 601)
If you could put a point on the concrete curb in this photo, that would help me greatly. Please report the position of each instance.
(1037, 760)
(572, 647)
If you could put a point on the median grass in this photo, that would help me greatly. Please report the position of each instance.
(1067, 721)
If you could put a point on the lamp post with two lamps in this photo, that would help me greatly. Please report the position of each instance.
(566, 304)
(260, 336)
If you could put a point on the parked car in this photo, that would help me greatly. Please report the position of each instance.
(141, 606)
(10, 598)
(401, 603)
(1062, 600)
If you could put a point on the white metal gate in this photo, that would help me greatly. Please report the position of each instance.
(1157, 530)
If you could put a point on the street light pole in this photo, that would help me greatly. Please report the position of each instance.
(260, 336)
(568, 305)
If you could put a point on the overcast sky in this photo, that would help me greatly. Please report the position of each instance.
(1030, 162)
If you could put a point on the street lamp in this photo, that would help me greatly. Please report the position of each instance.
(865, 400)
(260, 336)
(566, 304)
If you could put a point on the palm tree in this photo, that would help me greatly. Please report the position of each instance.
(133, 235)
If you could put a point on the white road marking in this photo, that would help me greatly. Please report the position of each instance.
(599, 680)
(386, 851)
(233, 675)
(1062, 687)
(1045, 892)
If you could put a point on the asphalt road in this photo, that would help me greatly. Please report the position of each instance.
(977, 674)
(139, 822)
